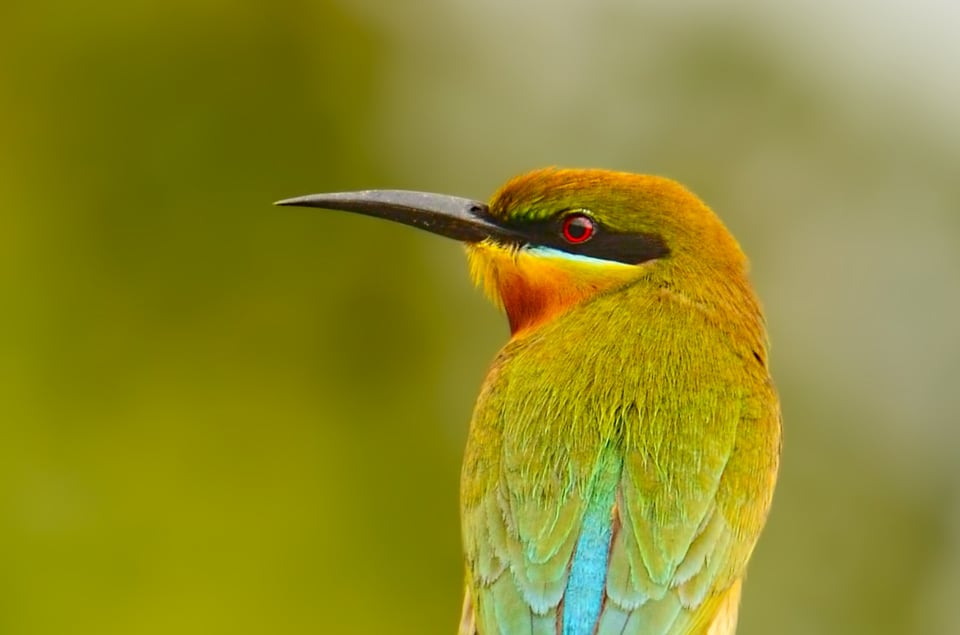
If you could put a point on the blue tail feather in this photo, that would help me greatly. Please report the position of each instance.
(583, 597)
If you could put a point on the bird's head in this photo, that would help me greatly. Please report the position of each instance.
(552, 238)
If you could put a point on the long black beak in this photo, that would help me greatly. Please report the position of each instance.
(458, 218)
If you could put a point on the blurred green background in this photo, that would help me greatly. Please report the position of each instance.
(222, 417)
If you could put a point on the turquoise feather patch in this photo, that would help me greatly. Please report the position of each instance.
(583, 597)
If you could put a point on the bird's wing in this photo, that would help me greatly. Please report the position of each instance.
(691, 503)
(519, 549)
(670, 527)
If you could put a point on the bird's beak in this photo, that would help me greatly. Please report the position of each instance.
(458, 218)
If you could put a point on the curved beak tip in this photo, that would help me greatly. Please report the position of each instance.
(297, 200)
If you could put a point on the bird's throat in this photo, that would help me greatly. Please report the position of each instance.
(532, 288)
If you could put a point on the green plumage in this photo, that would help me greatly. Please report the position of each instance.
(659, 395)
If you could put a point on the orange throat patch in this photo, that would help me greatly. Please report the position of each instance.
(533, 288)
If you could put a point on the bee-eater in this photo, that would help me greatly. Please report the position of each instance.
(624, 448)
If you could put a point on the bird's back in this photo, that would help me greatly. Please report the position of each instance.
(620, 466)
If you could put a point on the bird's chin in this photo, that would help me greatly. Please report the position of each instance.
(534, 285)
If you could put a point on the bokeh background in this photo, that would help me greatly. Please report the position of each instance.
(221, 417)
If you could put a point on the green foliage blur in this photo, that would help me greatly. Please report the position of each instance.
(217, 416)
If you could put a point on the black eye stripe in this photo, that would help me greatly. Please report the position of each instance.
(605, 244)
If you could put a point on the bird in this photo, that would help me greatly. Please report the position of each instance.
(624, 448)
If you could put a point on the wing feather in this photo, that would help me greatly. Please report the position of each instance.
(691, 453)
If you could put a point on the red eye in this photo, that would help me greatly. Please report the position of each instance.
(577, 228)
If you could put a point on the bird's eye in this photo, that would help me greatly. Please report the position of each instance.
(578, 228)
